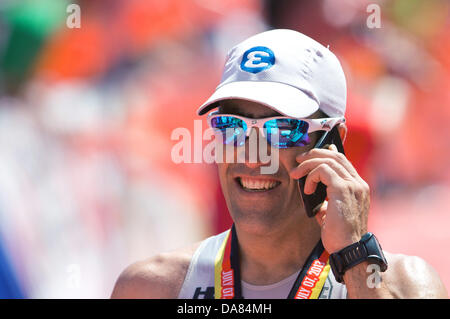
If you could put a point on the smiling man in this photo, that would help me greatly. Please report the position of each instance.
(287, 90)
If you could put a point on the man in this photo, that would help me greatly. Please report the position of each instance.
(275, 86)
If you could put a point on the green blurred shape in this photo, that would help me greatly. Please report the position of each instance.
(404, 8)
(38, 16)
(421, 17)
(30, 22)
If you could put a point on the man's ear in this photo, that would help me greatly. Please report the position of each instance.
(342, 128)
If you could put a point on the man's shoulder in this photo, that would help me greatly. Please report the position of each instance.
(412, 277)
(160, 276)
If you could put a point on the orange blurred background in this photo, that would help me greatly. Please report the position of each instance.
(87, 182)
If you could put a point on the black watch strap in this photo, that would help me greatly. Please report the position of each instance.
(367, 248)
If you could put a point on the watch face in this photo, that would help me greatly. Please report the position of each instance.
(367, 248)
(375, 252)
(366, 236)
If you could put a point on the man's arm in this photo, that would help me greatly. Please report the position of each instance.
(142, 280)
(343, 221)
(159, 277)
(407, 277)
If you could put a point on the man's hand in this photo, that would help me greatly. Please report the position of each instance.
(343, 218)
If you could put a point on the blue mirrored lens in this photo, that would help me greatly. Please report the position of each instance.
(284, 133)
(232, 129)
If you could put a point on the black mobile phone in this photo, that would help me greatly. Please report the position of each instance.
(314, 201)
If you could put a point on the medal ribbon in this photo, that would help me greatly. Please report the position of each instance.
(227, 279)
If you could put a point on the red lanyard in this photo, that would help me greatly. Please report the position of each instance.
(227, 279)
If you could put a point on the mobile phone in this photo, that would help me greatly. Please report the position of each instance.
(313, 202)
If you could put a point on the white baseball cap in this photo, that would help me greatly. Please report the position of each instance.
(286, 71)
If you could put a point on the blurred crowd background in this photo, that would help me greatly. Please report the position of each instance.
(87, 183)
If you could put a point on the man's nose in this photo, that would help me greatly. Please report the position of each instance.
(253, 149)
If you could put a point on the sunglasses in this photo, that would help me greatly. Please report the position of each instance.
(280, 131)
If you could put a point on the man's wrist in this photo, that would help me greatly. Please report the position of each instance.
(345, 243)
(359, 272)
(366, 250)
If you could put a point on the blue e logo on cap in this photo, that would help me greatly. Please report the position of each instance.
(257, 59)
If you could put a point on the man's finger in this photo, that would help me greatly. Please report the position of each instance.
(334, 154)
(307, 166)
(321, 214)
(322, 173)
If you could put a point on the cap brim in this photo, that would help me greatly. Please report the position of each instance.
(283, 98)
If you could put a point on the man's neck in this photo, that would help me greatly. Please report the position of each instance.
(270, 257)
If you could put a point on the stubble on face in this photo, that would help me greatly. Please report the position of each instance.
(263, 209)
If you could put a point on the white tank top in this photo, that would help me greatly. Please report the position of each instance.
(199, 280)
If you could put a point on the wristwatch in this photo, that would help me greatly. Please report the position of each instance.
(367, 248)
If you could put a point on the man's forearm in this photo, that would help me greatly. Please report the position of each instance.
(363, 281)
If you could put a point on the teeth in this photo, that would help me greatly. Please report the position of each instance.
(255, 184)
